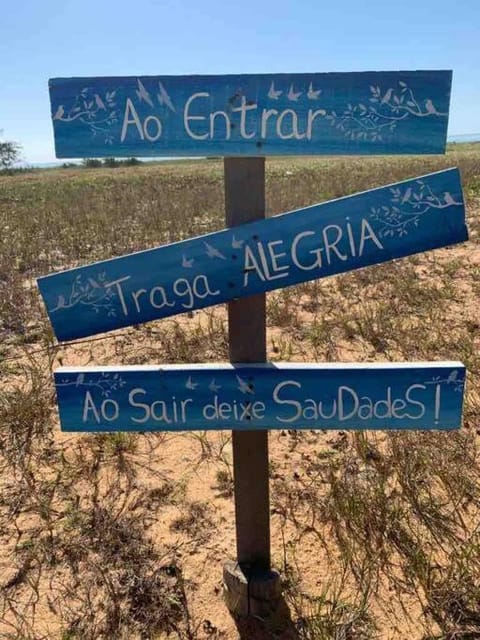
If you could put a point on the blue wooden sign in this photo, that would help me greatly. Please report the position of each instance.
(420, 395)
(325, 239)
(313, 113)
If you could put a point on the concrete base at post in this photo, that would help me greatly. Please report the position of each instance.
(251, 593)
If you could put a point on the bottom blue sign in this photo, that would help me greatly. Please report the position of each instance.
(421, 395)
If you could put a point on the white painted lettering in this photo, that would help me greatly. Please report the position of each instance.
(89, 405)
(293, 126)
(327, 416)
(365, 409)
(187, 117)
(162, 416)
(161, 294)
(184, 292)
(421, 406)
(135, 120)
(367, 233)
(116, 283)
(243, 108)
(135, 295)
(385, 404)
(258, 410)
(330, 244)
(263, 260)
(141, 405)
(250, 264)
(397, 406)
(155, 134)
(227, 124)
(351, 239)
(317, 264)
(342, 393)
(266, 114)
(183, 406)
(311, 118)
(274, 257)
(292, 403)
(200, 282)
(113, 410)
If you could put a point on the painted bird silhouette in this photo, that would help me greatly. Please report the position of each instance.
(214, 387)
(243, 386)
(142, 93)
(59, 113)
(431, 109)
(190, 384)
(449, 199)
(453, 376)
(236, 244)
(61, 304)
(212, 252)
(164, 98)
(311, 94)
(386, 97)
(272, 94)
(292, 95)
(187, 264)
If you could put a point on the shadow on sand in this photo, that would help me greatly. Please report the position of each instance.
(278, 626)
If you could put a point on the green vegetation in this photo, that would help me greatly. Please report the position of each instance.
(9, 154)
(376, 534)
(111, 163)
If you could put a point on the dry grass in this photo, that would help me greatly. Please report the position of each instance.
(106, 536)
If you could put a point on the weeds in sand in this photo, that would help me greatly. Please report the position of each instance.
(195, 520)
(395, 514)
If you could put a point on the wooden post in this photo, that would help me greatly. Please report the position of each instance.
(250, 585)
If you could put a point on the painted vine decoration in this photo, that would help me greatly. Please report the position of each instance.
(365, 121)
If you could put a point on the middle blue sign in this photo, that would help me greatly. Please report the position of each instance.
(325, 239)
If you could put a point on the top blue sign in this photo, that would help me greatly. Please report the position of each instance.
(273, 114)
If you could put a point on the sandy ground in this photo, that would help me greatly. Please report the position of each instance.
(194, 462)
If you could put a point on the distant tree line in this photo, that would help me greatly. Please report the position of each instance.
(10, 152)
(111, 163)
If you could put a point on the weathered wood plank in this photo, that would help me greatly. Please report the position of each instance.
(325, 239)
(419, 395)
(247, 329)
(315, 113)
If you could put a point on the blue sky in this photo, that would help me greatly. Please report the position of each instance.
(45, 38)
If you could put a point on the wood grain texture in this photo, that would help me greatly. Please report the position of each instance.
(272, 114)
(261, 396)
(247, 327)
